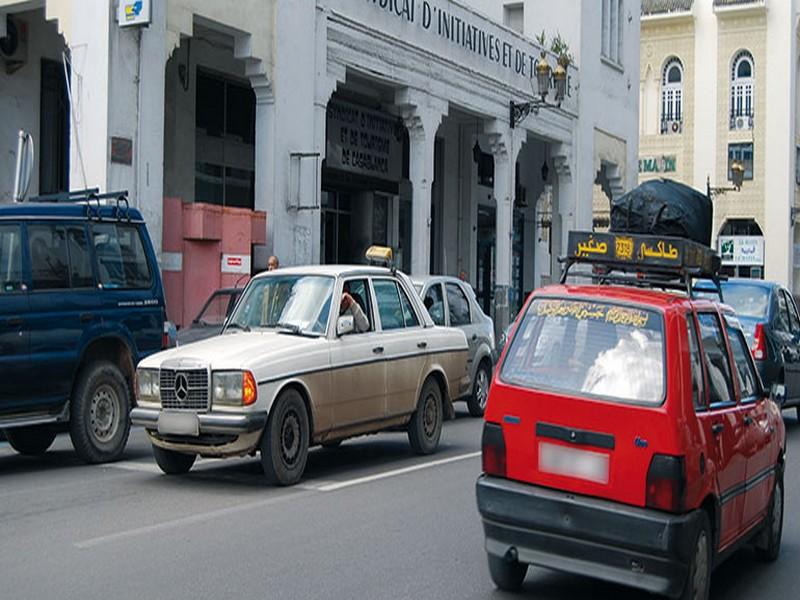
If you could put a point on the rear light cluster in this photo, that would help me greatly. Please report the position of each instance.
(666, 483)
(759, 347)
(493, 446)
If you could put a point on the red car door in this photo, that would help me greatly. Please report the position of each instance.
(723, 428)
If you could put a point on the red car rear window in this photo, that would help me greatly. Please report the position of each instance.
(591, 349)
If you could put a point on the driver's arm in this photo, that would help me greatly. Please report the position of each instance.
(360, 319)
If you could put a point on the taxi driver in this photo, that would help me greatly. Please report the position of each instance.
(349, 306)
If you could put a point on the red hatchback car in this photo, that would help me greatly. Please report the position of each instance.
(628, 436)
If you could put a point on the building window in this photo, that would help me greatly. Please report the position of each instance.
(514, 17)
(742, 90)
(225, 117)
(672, 97)
(612, 23)
(744, 154)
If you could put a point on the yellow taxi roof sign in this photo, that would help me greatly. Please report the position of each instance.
(380, 254)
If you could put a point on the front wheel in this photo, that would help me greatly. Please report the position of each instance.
(770, 546)
(425, 427)
(284, 447)
(507, 574)
(698, 583)
(100, 418)
(171, 462)
(31, 441)
(476, 403)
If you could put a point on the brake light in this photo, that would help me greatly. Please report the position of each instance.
(493, 447)
(666, 483)
(759, 347)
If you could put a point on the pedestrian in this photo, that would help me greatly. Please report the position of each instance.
(272, 263)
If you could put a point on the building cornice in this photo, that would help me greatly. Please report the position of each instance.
(740, 9)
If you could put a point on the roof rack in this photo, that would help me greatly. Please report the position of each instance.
(90, 196)
(655, 261)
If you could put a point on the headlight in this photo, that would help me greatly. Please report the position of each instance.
(147, 385)
(234, 388)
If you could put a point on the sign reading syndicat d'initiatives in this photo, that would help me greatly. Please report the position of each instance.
(456, 29)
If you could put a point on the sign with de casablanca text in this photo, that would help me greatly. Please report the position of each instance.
(363, 141)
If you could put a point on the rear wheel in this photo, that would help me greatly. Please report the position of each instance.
(31, 440)
(171, 462)
(284, 447)
(425, 427)
(698, 583)
(770, 546)
(507, 574)
(476, 403)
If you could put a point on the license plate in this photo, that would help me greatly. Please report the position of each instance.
(581, 464)
(176, 423)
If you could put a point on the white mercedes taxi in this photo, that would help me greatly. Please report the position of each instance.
(310, 356)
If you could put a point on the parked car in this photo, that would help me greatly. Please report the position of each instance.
(209, 321)
(628, 436)
(289, 372)
(452, 303)
(771, 323)
(81, 303)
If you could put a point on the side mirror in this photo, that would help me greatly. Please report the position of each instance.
(778, 393)
(345, 325)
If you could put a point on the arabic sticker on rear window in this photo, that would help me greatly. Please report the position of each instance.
(589, 311)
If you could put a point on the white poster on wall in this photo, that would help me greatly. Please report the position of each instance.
(739, 250)
(133, 12)
(236, 263)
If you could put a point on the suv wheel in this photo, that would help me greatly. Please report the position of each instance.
(698, 584)
(284, 446)
(100, 413)
(476, 403)
(507, 574)
(31, 440)
(425, 427)
(770, 546)
(171, 462)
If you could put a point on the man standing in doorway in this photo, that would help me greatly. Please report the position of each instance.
(272, 263)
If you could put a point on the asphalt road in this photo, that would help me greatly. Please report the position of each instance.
(370, 521)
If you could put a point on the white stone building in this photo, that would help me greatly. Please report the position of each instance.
(347, 122)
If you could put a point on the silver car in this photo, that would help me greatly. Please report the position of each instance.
(452, 303)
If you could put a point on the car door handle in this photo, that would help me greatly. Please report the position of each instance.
(748, 420)
(422, 345)
(86, 317)
(717, 428)
(377, 350)
(14, 321)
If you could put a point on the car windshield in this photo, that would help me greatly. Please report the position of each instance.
(591, 349)
(292, 303)
(747, 300)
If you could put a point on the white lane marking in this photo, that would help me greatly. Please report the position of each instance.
(332, 487)
(190, 520)
(134, 466)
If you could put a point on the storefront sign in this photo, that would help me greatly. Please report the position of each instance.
(364, 141)
(133, 12)
(235, 263)
(658, 164)
(742, 250)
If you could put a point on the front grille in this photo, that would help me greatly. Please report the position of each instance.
(196, 390)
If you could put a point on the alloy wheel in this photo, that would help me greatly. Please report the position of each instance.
(482, 388)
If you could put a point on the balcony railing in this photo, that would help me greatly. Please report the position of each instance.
(671, 126)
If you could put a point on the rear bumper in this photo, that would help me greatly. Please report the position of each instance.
(210, 423)
(637, 547)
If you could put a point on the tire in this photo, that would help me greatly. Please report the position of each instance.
(332, 445)
(507, 574)
(31, 441)
(284, 446)
(425, 427)
(476, 403)
(770, 548)
(171, 462)
(698, 583)
(100, 413)
(798, 413)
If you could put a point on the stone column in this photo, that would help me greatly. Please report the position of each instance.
(505, 144)
(564, 211)
(265, 153)
(422, 115)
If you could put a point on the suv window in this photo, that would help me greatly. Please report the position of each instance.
(793, 318)
(459, 306)
(434, 303)
(11, 278)
(80, 260)
(49, 259)
(121, 259)
(696, 359)
(782, 316)
(716, 357)
(389, 307)
(589, 348)
(745, 372)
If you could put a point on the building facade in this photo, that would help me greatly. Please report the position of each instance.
(314, 129)
(718, 85)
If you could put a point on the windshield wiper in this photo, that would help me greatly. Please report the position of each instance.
(235, 325)
(293, 329)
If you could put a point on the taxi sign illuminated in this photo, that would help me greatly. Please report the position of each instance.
(380, 254)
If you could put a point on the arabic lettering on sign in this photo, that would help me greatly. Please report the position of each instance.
(742, 250)
(587, 311)
(591, 247)
(662, 250)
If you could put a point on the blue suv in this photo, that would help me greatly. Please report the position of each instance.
(81, 302)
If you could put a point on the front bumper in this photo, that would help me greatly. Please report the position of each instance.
(641, 548)
(210, 423)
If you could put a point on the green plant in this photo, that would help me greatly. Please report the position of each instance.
(541, 39)
(560, 48)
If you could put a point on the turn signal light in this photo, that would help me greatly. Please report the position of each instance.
(493, 450)
(759, 348)
(249, 389)
(666, 483)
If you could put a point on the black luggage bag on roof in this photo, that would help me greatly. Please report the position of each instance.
(664, 207)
